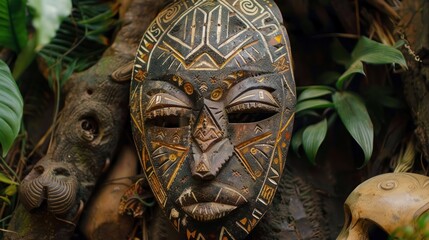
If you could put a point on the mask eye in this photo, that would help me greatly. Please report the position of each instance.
(167, 111)
(250, 112)
(169, 118)
(252, 106)
(89, 126)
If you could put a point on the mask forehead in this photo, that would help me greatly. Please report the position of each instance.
(206, 62)
(213, 35)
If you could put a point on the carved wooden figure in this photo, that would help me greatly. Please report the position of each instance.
(212, 104)
(95, 113)
(388, 201)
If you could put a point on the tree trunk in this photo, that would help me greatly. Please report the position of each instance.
(414, 25)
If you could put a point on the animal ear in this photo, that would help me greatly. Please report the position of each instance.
(123, 74)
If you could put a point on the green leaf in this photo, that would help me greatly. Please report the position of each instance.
(355, 117)
(314, 92)
(82, 37)
(313, 104)
(5, 199)
(7, 180)
(13, 30)
(48, 15)
(313, 137)
(372, 52)
(11, 108)
(10, 190)
(356, 67)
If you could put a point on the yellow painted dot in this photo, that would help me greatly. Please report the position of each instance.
(276, 160)
(172, 157)
(278, 38)
(283, 145)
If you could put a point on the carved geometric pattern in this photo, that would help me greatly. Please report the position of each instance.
(267, 194)
(247, 224)
(225, 235)
(168, 159)
(206, 130)
(274, 176)
(157, 189)
(250, 166)
(200, 35)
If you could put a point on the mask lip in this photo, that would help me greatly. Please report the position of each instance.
(214, 192)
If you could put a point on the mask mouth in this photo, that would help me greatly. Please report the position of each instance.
(204, 212)
(210, 202)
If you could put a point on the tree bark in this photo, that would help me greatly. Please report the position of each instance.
(414, 25)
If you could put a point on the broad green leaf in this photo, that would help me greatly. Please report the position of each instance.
(48, 15)
(297, 141)
(372, 52)
(313, 137)
(7, 180)
(313, 104)
(13, 30)
(11, 108)
(399, 44)
(355, 117)
(356, 67)
(5, 199)
(10, 190)
(314, 92)
(25, 58)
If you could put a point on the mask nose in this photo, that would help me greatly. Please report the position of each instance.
(207, 132)
(210, 148)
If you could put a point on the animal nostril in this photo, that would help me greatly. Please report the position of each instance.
(39, 170)
(61, 172)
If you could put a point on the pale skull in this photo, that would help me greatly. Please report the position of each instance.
(385, 202)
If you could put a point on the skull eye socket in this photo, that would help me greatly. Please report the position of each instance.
(375, 232)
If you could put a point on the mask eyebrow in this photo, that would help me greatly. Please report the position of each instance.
(165, 100)
(254, 94)
(237, 76)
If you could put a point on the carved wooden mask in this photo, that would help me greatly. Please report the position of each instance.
(212, 103)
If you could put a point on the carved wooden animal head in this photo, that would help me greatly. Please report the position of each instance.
(88, 130)
(84, 142)
(212, 101)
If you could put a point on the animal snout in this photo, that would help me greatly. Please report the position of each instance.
(51, 183)
(57, 171)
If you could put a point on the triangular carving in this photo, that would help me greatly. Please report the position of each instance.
(225, 235)
(274, 176)
(206, 130)
(202, 168)
(204, 62)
